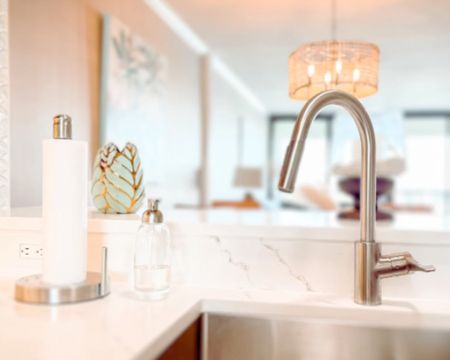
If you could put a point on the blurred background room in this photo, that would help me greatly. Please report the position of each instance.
(201, 88)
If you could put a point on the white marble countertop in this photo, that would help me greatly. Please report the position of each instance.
(123, 327)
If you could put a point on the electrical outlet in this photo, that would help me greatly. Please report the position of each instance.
(31, 251)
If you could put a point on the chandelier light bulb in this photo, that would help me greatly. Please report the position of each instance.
(356, 74)
(338, 66)
(311, 70)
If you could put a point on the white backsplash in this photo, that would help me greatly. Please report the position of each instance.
(304, 265)
(255, 263)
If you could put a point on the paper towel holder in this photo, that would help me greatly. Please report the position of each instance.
(31, 289)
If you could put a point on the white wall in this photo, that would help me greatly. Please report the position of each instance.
(55, 68)
(55, 63)
(227, 107)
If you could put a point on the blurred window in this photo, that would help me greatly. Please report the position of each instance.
(426, 180)
(427, 176)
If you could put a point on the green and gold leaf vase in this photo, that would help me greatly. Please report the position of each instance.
(117, 180)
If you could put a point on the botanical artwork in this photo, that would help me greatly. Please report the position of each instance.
(117, 180)
(133, 89)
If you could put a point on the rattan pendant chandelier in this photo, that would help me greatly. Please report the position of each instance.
(351, 66)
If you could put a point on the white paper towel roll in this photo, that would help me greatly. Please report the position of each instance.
(64, 210)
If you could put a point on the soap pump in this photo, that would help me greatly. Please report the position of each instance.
(152, 254)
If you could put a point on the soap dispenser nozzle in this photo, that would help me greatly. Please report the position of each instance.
(152, 215)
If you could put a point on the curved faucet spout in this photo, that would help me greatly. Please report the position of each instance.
(294, 152)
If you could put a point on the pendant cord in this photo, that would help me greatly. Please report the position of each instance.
(333, 20)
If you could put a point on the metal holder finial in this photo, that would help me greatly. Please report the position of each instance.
(62, 127)
(31, 289)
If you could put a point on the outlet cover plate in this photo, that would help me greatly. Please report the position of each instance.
(31, 251)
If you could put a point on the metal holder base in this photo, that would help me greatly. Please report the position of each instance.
(31, 289)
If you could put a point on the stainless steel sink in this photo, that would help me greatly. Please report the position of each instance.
(227, 337)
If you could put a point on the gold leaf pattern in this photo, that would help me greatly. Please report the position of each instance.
(117, 184)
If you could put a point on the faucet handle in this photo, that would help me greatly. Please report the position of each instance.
(416, 266)
(426, 268)
(400, 264)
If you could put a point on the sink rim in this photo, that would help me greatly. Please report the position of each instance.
(394, 315)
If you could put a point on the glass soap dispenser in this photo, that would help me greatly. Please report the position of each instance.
(152, 255)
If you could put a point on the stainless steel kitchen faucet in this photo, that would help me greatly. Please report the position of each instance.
(370, 265)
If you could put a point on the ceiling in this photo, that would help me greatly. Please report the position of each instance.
(255, 38)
